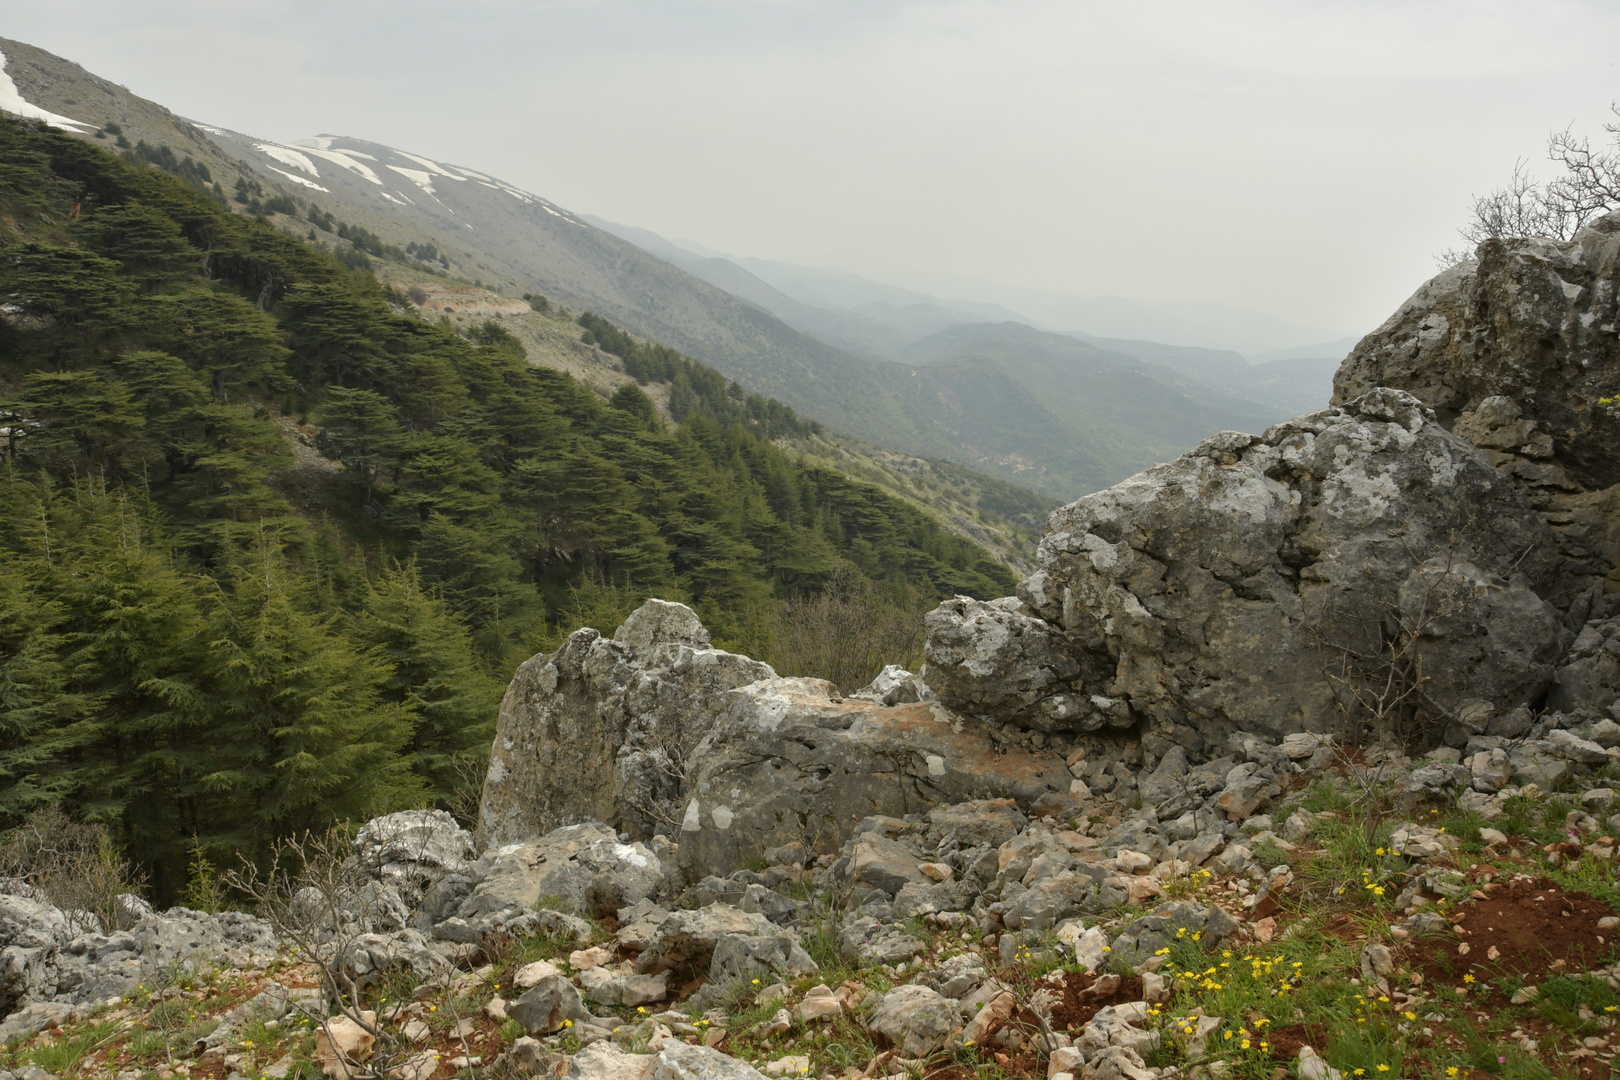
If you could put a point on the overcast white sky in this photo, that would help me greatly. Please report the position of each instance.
(1300, 159)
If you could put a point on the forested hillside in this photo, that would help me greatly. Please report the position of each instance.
(212, 634)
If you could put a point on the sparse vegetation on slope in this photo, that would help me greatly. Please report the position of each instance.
(1352, 933)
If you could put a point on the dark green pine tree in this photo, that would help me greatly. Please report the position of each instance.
(36, 697)
(83, 423)
(336, 336)
(302, 732)
(134, 647)
(145, 241)
(361, 429)
(453, 701)
(75, 301)
(235, 345)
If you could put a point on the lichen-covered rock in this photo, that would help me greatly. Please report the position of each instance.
(1589, 677)
(373, 958)
(602, 1060)
(998, 661)
(188, 937)
(599, 730)
(979, 821)
(47, 955)
(1515, 349)
(884, 864)
(413, 841)
(742, 956)
(1051, 900)
(915, 1018)
(679, 1061)
(788, 762)
(686, 940)
(1213, 590)
(894, 685)
(543, 1009)
(866, 937)
(654, 727)
(578, 869)
(31, 935)
(957, 977)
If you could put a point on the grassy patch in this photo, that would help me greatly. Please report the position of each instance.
(66, 1053)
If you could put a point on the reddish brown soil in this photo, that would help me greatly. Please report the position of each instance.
(1069, 1014)
(1286, 1041)
(1075, 1008)
(1535, 927)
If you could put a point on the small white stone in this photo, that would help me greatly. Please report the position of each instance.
(530, 974)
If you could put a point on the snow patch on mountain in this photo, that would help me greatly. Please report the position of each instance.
(295, 178)
(287, 156)
(12, 101)
(431, 166)
(345, 158)
(418, 177)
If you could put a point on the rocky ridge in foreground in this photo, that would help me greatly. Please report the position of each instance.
(1119, 826)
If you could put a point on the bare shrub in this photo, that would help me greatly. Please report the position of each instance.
(323, 906)
(467, 794)
(1373, 657)
(1588, 187)
(847, 633)
(73, 866)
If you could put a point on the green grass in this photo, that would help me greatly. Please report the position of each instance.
(1352, 862)
(1589, 875)
(64, 1056)
(1270, 855)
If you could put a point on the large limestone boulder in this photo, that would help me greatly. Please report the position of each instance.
(604, 729)
(788, 762)
(995, 659)
(31, 935)
(653, 732)
(413, 843)
(1589, 677)
(1222, 591)
(46, 956)
(1515, 350)
(582, 869)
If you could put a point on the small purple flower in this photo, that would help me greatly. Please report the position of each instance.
(1500, 1060)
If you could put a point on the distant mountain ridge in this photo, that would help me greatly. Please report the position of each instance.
(977, 407)
(882, 321)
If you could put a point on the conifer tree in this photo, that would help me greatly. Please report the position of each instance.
(230, 341)
(453, 702)
(146, 242)
(302, 732)
(76, 301)
(361, 429)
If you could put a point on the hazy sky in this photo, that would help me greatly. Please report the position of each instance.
(1301, 159)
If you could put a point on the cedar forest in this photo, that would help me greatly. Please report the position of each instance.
(206, 645)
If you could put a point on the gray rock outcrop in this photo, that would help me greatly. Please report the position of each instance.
(1515, 350)
(48, 959)
(1214, 593)
(577, 869)
(602, 729)
(717, 751)
(788, 762)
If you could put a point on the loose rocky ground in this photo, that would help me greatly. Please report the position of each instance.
(1357, 930)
